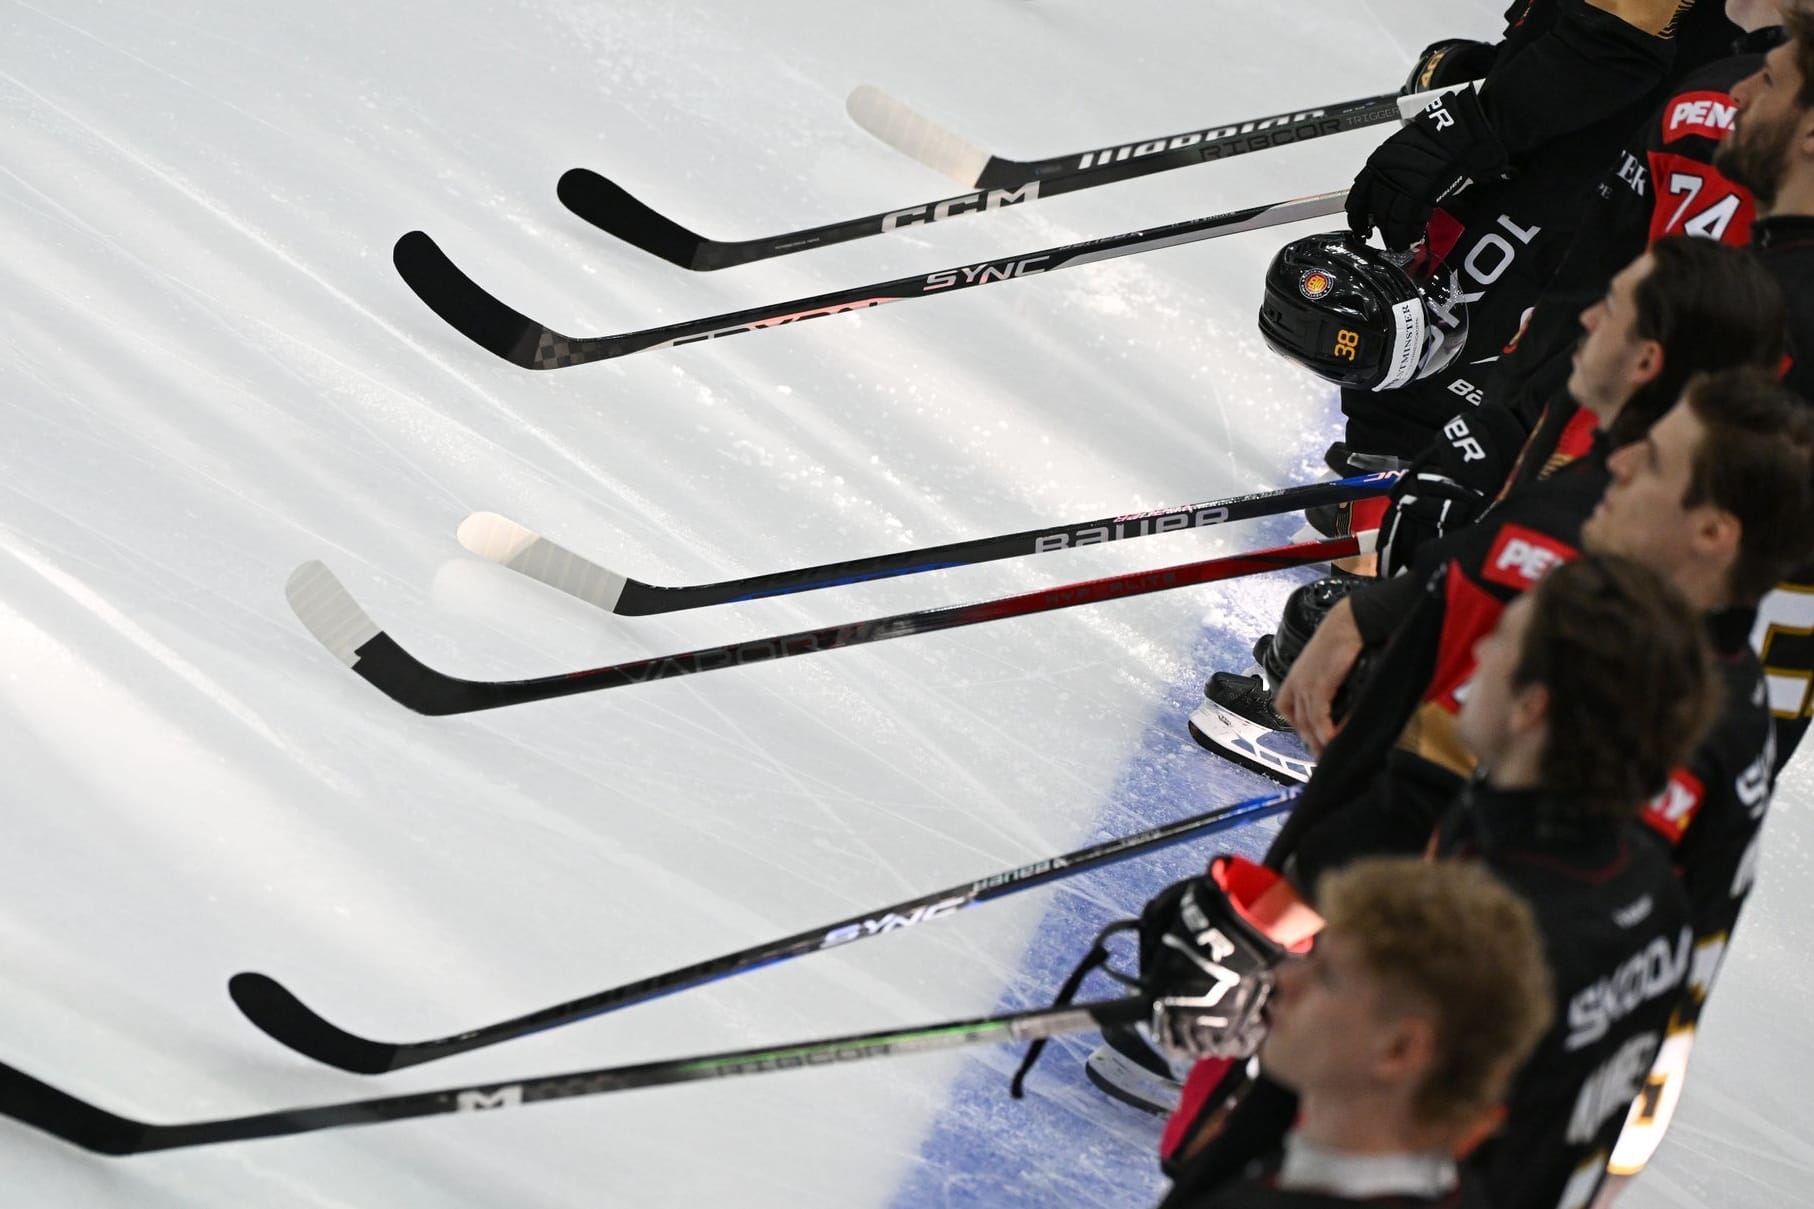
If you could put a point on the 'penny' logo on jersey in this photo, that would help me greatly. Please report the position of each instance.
(1520, 557)
(1707, 114)
(1315, 284)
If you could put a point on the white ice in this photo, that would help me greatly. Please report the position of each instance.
(211, 373)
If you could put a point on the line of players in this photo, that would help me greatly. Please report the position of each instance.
(1595, 380)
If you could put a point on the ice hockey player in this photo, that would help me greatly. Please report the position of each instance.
(1684, 307)
(1719, 496)
(1663, 182)
(1426, 990)
(1711, 814)
(1478, 178)
(1686, 171)
(1589, 689)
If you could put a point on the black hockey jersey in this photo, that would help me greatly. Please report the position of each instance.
(1396, 763)
(1570, 82)
(1616, 934)
(1662, 182)
(1615, 925)
(1711, 813)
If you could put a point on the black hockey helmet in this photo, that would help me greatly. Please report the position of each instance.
(1353, 314)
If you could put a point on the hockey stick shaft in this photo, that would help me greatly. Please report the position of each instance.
(276, 1010)
(614, 210)
(329, 612)
(920, 139)
(522, 549)
(486, 321)
(33, 1102)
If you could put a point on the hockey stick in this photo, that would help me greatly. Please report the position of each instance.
(487, 322)
(920, 138)
(611, 208)
(33, 1102)
(275, 1009)
(331, 614)
(522, 549)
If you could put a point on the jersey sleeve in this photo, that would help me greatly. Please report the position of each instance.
(1593, 61)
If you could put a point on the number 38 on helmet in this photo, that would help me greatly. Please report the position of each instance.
(1353, 314)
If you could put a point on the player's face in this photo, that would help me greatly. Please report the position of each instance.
(1641, 515)
(1324, 1009)
(1757, 151)
(1611, 361)
(1488, 704)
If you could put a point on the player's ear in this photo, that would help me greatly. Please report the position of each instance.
(1530, 709)
(1649, 365)
(1717, 534)
(1804, 134)
(1407, 1050)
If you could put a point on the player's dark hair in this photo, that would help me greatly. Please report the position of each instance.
(1711, 307)
(1798, 23)
(1630, 678)
(1755, 461)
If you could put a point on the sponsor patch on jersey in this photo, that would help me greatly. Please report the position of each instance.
(1315, 284)
(1705, 115)
(1520, 557)
(1670, 812)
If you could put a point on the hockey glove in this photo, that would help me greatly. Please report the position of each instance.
(1449, 62)
(1208, 946)
(1435, 156)
(1451, 483)
(1431, 505)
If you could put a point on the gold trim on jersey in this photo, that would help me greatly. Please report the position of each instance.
(1431, 735)
(1656, 17)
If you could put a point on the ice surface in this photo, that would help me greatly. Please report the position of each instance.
(211, 375)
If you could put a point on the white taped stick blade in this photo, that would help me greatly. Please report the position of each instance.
(329, 612)
(503, 541)
(915, 136)
(1410, 106)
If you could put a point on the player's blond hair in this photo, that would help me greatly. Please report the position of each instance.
(1451, 943)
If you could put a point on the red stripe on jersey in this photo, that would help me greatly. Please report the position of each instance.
(1469, 612)
(1577, 437)
(1204, 1078)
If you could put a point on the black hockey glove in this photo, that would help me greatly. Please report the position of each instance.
(1432, 504)
(1207, 955)
(1450, 484)
(1436, 155)
(1450, 61)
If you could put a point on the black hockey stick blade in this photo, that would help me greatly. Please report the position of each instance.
(504, 541)
(33, 1102)
(614, 210)
(277, 1011)
(487, 322)
(609, 207)
(329, 612)
(467, 308)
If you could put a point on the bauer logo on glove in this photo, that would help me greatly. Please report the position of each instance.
(1208, 946)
